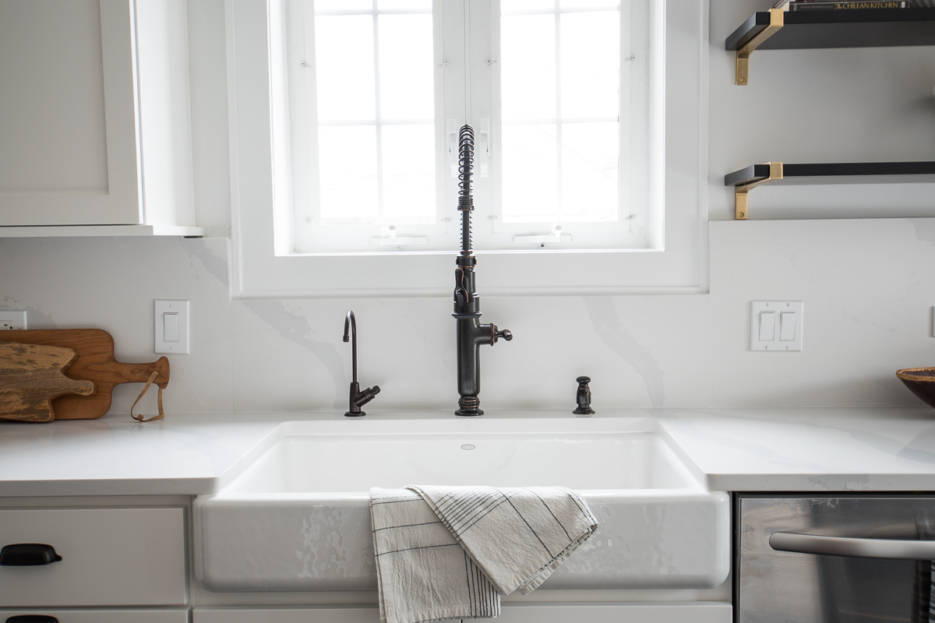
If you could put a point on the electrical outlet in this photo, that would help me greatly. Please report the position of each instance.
(12, 320)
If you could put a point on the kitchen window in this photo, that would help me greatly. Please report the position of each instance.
(344, 171)
(379, 88)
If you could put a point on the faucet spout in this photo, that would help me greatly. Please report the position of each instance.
(350, 323)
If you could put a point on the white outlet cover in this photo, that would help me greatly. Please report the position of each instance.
(179, 311)
(12, 320)
(775, 343)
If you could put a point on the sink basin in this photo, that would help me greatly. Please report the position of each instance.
(354, 463)
(297, 518)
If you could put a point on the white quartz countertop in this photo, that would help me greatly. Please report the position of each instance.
(730, 449)
(871, 449)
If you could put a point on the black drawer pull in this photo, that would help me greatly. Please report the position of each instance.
(28, 555)
(32, 618)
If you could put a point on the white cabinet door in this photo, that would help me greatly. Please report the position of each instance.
(98, 616)
(68, 145)
(95, 118)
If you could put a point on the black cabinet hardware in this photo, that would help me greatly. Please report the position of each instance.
(32, 618)
(28, 555)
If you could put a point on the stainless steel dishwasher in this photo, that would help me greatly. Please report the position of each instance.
(836, 559)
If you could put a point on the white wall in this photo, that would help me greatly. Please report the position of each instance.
(868, 285)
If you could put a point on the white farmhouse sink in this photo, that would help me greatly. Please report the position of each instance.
(298, 517)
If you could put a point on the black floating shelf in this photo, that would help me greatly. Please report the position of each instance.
(837, 173)
(778, 173)
(841, 28)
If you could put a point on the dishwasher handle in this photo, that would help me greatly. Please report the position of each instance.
(852, 546)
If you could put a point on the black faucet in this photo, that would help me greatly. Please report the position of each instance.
(357, 398)
(471, 333)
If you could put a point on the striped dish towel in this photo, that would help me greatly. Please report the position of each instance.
(450, 552)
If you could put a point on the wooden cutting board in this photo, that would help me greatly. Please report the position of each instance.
(31, 375)
(95, 363)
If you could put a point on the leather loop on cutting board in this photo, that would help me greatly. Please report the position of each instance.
(162, 414)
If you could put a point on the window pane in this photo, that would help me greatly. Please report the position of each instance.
(406, 68)
(390, 5)
(561, 105)
(343, 5)
(529, 173)
(510, 6)
(528, 73)
(348, 156)
(589, 4)
(374, 169)
(409, 174)
(344, 67)
(590, 45)
(589, 171)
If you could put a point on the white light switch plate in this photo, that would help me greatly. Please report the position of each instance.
(12, 320)
(776, 326)
(172, 315)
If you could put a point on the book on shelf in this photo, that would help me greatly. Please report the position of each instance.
(847, 5)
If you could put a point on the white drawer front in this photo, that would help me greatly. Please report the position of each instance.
(110, 557)
(102, 616)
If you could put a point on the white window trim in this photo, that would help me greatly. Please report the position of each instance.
(261, 196)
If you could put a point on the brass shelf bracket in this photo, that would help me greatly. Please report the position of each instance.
(776, 21)
(741, 190)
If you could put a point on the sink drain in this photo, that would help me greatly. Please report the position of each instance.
(467, 446)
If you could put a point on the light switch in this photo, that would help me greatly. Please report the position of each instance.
(170, 321)
(787, 327)
(776, 325)
(172, 327)
(767, 326)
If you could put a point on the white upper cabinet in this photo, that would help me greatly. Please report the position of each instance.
(95, 118)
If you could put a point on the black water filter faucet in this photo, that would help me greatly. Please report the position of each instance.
(357, 398)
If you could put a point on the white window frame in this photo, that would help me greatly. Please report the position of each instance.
(675, 262)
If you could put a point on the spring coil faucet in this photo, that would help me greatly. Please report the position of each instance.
(471, 333)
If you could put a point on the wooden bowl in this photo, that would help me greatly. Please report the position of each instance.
(921, 382)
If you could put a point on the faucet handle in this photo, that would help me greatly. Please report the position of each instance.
(505, 334)
(366, 395)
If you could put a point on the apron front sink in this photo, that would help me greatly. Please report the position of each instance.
(298, 517)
